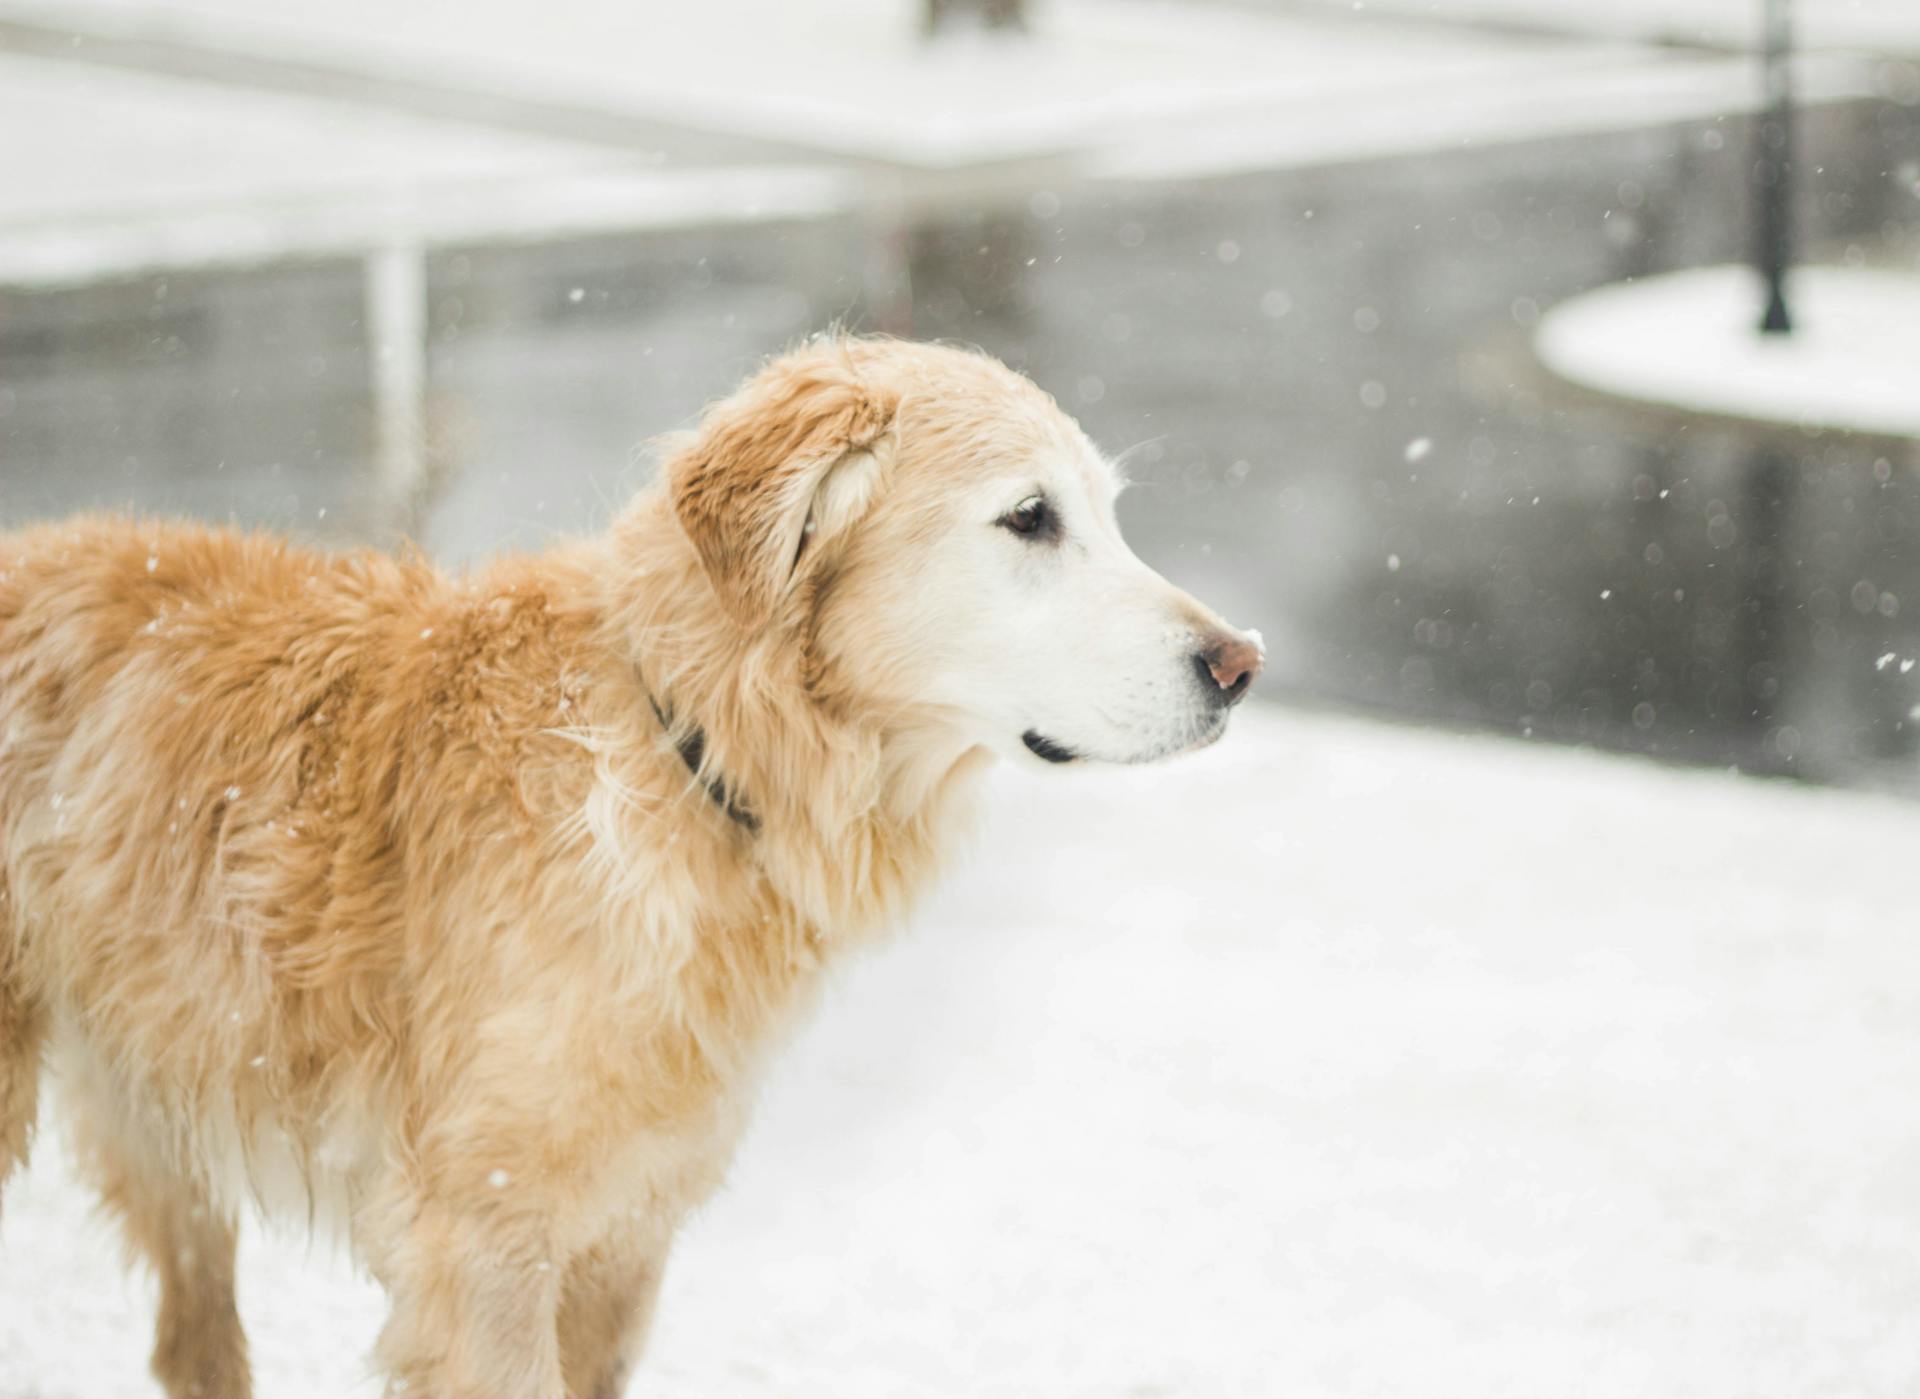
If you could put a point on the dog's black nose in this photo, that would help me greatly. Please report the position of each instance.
(1227, 667)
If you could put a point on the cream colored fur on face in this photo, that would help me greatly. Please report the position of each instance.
(376, 895)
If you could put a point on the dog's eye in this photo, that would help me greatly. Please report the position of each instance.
(1032, 518)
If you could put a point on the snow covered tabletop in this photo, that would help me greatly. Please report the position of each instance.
(1889, 26)
(1150, 82)
(1689, 340)
(1338, 1060)
(849, 75)
(102, 190)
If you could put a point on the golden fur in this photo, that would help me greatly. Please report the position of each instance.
(380, 895)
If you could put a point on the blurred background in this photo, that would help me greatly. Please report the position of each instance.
(1469, 1052)
(360, 270)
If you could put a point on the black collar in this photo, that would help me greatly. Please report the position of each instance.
(692, 748)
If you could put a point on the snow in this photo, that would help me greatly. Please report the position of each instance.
(1888, 26)
(1689, 340)
(868, 85)
(102, 192)
(1560, 92)
(1134, 85)
(1337, 1060)
(111, 142)
(867, 116)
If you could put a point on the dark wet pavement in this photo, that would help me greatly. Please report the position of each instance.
(1339, 433)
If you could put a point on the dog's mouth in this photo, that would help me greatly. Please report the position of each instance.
(1041, 746)
(1202, 736)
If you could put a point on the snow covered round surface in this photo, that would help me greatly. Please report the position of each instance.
(1337, 1060)
(1690, 340)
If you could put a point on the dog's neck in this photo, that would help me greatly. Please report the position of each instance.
(691, 745)
(851, 815)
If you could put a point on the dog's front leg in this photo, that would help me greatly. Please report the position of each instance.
(606, 1308)
(475, 1295)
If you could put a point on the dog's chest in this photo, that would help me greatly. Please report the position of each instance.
(655, 1177)
(687, 1094)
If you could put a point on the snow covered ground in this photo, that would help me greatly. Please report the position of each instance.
(1690, 340)
(1339, 1060)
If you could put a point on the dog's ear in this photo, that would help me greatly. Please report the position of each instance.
(775, 471)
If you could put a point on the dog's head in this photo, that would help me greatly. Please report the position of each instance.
(941, 540)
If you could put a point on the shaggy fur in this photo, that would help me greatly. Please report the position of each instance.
(337, 884)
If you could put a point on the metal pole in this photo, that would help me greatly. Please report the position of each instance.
(993, 16)
(1773, 168)
(397, 344)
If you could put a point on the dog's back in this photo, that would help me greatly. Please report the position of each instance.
(200, 744)
(165, 738)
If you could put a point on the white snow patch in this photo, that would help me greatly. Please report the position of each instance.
(1157, 87)
(103, 191)
(1860, 25)
(1690, 340)
(1432, 105)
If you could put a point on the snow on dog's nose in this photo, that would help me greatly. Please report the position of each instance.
(1228, 664)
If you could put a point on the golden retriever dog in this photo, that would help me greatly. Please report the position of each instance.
(462, 913)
